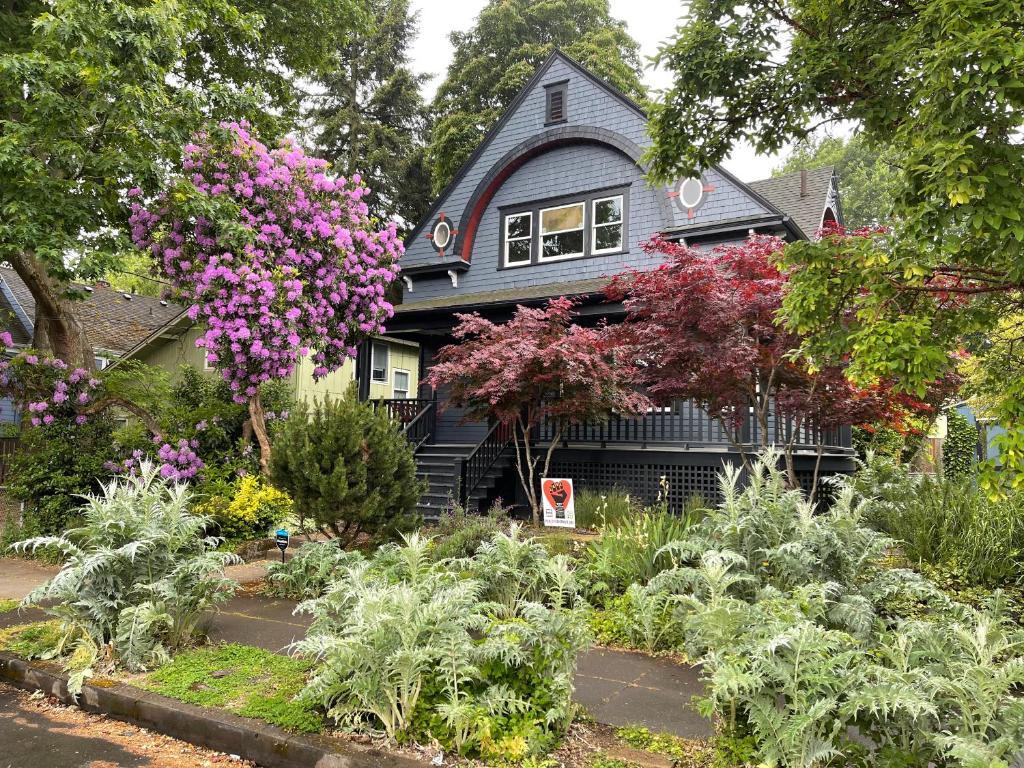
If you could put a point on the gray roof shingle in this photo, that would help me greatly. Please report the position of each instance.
(115, 321)
(784, 193)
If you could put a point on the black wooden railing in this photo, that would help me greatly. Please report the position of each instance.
(418, 417)
(684, 423)
(474, 467)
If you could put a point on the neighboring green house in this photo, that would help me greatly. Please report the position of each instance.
(392, 366)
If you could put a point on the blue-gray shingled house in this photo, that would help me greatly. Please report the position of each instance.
(554, 202)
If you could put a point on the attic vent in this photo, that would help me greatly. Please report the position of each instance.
(555, 111)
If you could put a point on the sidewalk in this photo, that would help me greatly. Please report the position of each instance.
(615, 687)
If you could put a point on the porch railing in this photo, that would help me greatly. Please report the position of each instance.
(684, 423)
(418, 417)
(474, 467)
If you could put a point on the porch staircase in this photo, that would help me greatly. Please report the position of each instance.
(441, 467)
(455, 473)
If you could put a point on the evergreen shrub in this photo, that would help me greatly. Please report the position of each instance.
(348, 469)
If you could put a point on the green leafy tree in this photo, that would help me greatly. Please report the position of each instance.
(940, 82)
(347, 467)
(97, 98)
(495, 58)
(371, 118)
(867, 175)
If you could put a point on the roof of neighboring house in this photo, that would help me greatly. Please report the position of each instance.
(805, 206)
(115, 321)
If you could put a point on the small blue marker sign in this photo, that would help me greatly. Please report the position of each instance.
(281, 537)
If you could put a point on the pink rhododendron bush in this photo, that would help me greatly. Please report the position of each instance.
(277, 259)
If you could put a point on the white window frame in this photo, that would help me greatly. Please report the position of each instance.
(207, 365)
(582, 229)
(528, 239)
(387, 364)
(594, 225)
(394, 382)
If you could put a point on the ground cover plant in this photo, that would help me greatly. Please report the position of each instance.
(476, 653)
(248, 681)
(137, 577)
(6, 606)
(795, 620)
(946, 522)
(459, 533)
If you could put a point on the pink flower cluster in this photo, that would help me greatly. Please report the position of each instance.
(277, 259)
(45, 387)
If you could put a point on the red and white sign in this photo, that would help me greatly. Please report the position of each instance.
(559, 502)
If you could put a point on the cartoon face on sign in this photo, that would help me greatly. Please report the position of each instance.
(558, 495)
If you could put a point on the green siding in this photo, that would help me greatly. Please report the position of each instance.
(171, 354)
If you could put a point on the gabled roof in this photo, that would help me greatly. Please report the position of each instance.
(115, 321)
(803, 201)
(495, 129)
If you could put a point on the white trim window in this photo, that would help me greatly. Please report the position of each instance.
(402, 381)
(606, 231)
(379, 363)
(518, 239)
(561, 232)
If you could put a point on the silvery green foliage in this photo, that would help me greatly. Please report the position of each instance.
(310, 571)
(790, 614)
(137, 575)
(478, 653)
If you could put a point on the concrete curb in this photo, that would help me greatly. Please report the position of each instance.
(265, 745)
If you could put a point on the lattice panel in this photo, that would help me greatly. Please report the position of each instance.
(644, 480)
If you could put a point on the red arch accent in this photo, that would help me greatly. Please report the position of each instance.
(469, 231)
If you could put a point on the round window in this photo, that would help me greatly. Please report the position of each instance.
(691, 192)
(442, 234)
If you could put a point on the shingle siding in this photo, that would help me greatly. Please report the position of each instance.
(580, 167)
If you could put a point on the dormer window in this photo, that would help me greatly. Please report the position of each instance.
(573, 227)
(555, 102)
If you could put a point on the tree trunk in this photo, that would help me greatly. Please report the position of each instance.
(57, 331)
(259, 428)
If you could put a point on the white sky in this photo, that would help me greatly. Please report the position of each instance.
(650, 22)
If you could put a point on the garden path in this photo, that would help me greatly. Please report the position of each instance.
(616, 687)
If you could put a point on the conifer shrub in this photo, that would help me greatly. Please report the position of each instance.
(348, 469)
(959, 449)
(477, 654)
(138, 575)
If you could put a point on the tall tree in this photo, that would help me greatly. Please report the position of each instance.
(495, 58)
(278, 260)
(868, 175)
(96, 98)
(371, 118)
(941, 82)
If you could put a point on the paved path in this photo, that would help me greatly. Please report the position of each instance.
(616, 687)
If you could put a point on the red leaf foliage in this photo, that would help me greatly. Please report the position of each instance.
(538, 364)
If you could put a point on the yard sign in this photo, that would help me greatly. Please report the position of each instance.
(559, 502)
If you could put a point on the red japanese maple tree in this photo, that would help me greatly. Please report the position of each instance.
(704, 327)
(537, 367)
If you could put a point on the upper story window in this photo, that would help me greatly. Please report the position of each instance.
(561, 232)
(587, 224)
(518, 238)
(607, 224)
(556, 96)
